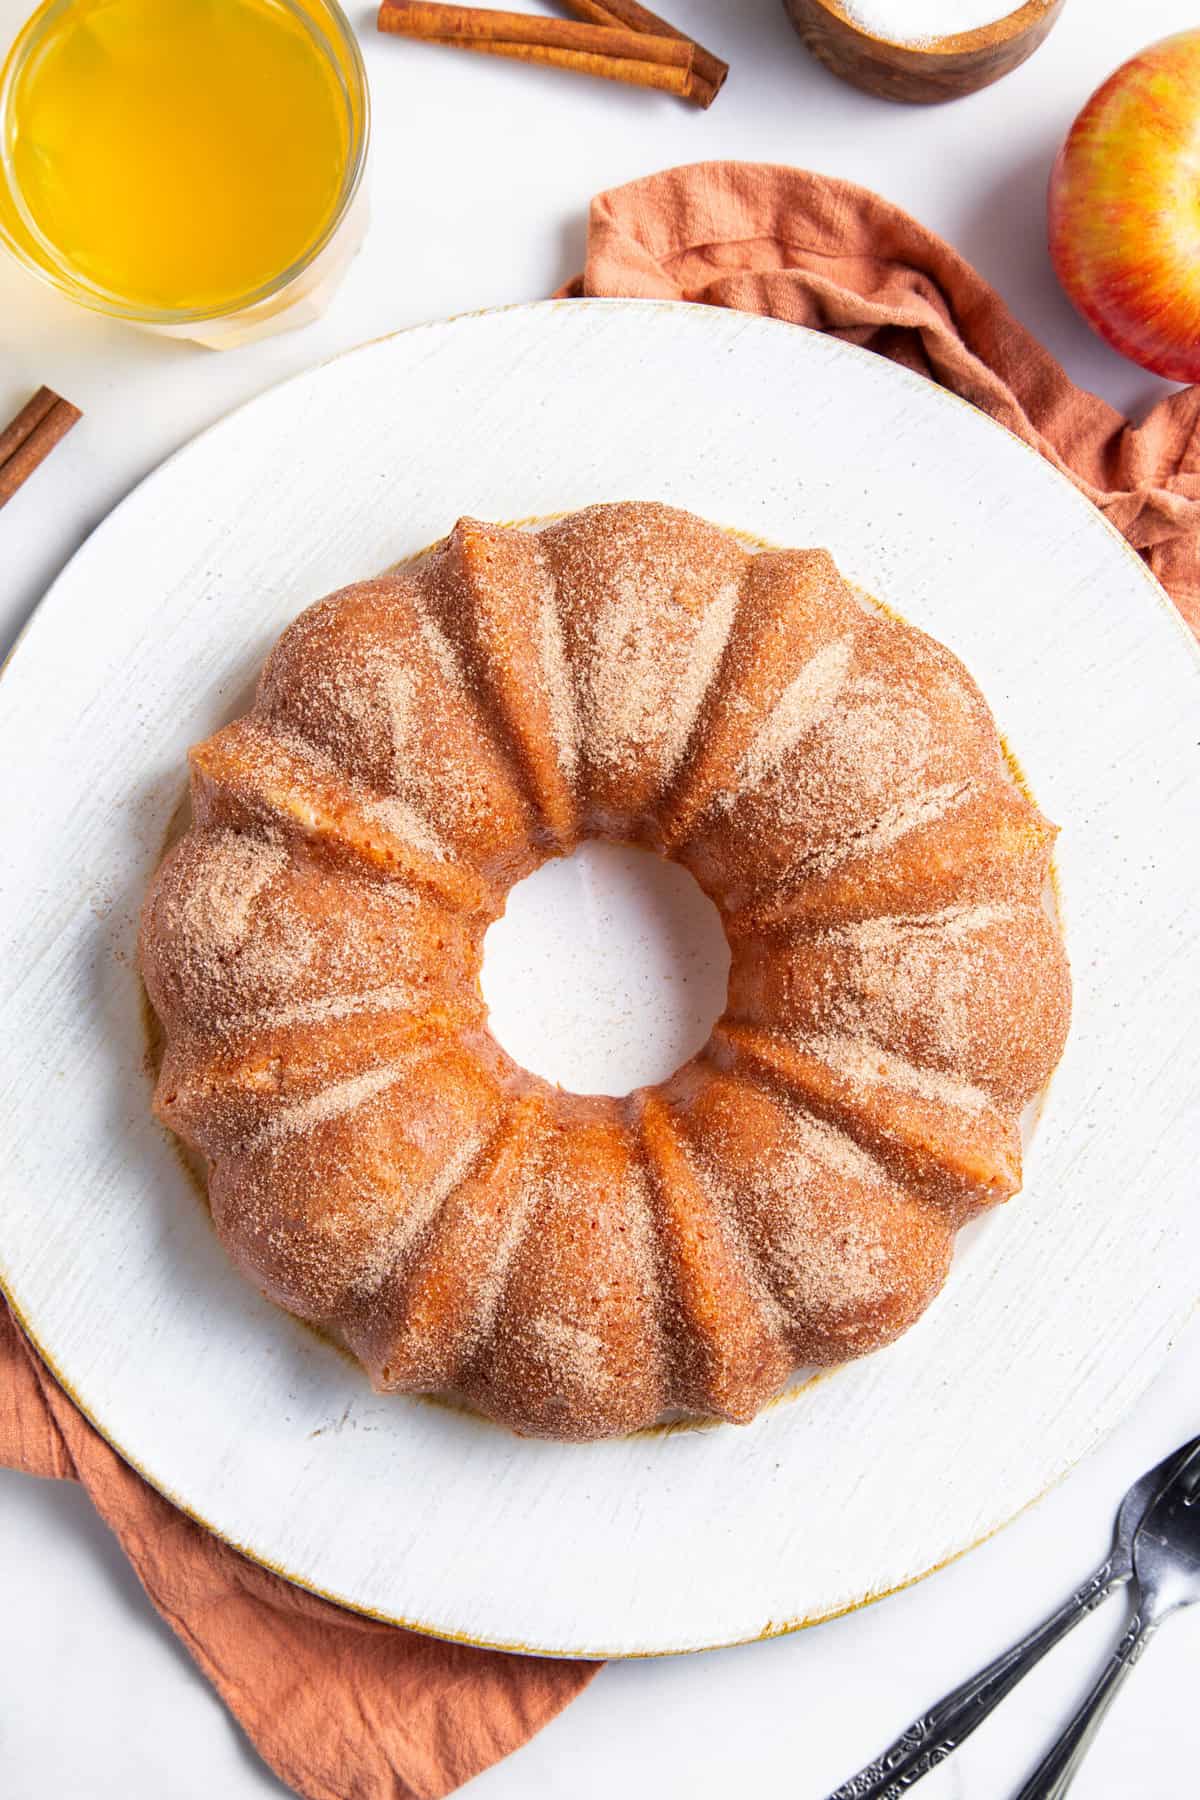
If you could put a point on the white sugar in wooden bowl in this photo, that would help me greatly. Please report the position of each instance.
(921, 21)
(921, 50)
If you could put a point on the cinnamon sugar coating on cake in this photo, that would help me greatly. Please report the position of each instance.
(579, 1267)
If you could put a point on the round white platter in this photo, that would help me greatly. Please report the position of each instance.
(1049, 1327)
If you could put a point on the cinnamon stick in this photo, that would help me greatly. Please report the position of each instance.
(30, 438)
(615, 54)
(708, 71)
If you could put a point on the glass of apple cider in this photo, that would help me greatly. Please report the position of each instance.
(193, 166)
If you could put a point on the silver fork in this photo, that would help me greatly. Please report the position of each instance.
(1166, 1572)
(933, 1737)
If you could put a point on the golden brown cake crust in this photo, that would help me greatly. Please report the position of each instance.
(579, 1267)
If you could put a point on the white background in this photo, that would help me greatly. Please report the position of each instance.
(481, 176)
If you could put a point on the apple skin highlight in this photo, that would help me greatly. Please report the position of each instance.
(1124, 209)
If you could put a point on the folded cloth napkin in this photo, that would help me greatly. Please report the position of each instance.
(840, 259)
(341, 1707)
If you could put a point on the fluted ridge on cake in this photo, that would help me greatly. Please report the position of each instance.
(576, 1346)
(324, 1206)
(941, 1136)
(784, 662)
(492, 593)
(253, 778)
(370, 680)
(848, 1256)
(646, 597)
(935, 988)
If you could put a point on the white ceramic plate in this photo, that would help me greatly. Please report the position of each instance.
(421, 1514)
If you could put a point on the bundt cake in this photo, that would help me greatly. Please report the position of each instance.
(582, 1266)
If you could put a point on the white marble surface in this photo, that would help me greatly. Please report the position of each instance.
(481, 177)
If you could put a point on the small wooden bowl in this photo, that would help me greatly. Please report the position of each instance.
(942, 69)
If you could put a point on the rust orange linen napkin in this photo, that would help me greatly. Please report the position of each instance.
(342, 1708)
(838, 258)
(346, 1709)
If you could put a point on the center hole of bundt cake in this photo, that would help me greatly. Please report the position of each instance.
(608, 969)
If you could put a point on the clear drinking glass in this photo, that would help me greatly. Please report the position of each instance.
(296, 294)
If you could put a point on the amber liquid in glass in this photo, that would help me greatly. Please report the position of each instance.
(178, 154)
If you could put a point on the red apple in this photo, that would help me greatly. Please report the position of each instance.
(1125, 209)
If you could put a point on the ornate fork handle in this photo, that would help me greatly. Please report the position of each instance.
(1058, 1768)
(932, 1737)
